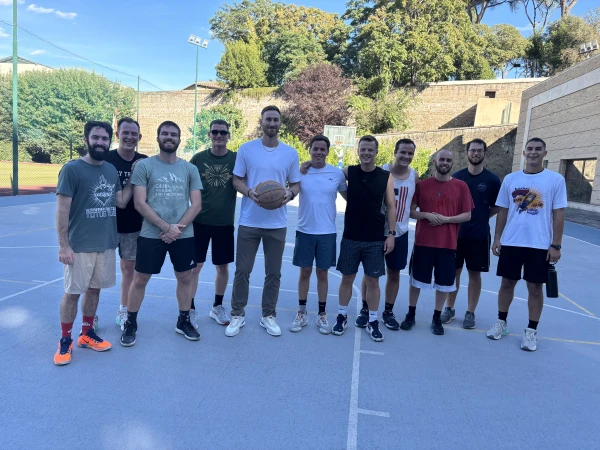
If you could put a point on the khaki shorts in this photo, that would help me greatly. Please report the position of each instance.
(128, 245)
(96, 270)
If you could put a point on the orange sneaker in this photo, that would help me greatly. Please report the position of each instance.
(62, 357)
(93, 341)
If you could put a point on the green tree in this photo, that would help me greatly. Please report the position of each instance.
(236, 22)
(234, 117)
(382, 114)
(242, 66)
(505, 46)
(592, 18)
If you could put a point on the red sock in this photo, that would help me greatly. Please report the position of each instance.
(66, 329)
(87, 324)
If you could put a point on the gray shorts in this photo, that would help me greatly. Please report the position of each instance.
(319, 248)
(370, 254)
(128, 245)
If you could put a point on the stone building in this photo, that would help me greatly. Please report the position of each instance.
(23, 65)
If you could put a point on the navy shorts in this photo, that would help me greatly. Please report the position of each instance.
(151, 255)
(223, 247)
(440, 261)
(396, 260)
(475, 253)
(370, 254)
(319, 248)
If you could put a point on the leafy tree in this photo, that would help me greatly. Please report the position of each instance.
(505, 46)
(592, 18)
(382, 114)
(234, 117)
(538, 12)
(241, 65)
(477, 8)
(236, 22)
(566, 6)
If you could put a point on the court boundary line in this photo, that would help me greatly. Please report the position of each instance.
(28, 204)
(576, 304)
(30, 289)
(581, 240)
(25, 232)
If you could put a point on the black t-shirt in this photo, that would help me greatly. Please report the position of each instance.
(364, 219)
(484, 190)
(128, 219)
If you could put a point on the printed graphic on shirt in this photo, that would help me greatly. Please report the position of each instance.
(169, 185)
(216, 175)
(528, 200)
(102, 196)
(401, 197)
(482, 187)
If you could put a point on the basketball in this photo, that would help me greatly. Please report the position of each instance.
(270, 194)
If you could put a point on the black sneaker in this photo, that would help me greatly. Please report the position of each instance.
(373, 330)
(128, 335)
(408, 322)
(363, 318)
(186, 328)
(341, 322)
(436, 327)
(389, 319)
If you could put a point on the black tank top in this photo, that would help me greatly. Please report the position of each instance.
(364, 219)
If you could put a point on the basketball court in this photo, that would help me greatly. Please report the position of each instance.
(297, 391)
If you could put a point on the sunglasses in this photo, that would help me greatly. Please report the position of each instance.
(217, 132)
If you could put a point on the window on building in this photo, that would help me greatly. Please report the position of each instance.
(579, 176)
(490, 94)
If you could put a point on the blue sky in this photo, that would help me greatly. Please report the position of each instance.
(146, 38)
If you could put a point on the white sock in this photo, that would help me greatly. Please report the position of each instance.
(123, 308)
(343, 310)
(372, 316)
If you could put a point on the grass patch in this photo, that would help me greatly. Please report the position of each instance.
(30, 174)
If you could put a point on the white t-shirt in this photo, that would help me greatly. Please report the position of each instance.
(318, 192)
(256, 165)
(530, 200)
(403, 193)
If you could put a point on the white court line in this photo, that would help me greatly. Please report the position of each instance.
(33, 246)
(370, 412)
(28, 204)
(369, 352)
(30, 289)
(581, 240)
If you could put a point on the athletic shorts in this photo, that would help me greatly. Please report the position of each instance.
(440, 261)
(353, 253)
(530, 261)
(151, 255)
(396, 260)
(128, 245)
(475, 253)
(96, 270)
(222, 248)
(315, 247)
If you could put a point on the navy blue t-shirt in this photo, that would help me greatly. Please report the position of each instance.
(484, 190)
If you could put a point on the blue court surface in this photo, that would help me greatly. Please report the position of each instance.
(298, 391)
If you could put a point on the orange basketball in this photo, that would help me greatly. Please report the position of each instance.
(270, 194)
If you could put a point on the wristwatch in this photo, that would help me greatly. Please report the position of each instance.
(392, 233)
(557, 247)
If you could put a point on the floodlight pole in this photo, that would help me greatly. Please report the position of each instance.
(196, 96)
(137, 117)
(15, 102)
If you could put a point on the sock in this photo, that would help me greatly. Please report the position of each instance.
(532, 324)
(123, 308)
(343, 310)
(436, 314)
(322, 307)
(412, 310)
(218, 300)
(87, 323)
(193, 306)
(66, 329)
(372, 316)
(132, 317)
(389, 307)
(365, 306)
(302, 306)
(502, 315)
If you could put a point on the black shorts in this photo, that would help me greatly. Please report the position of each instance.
(151, 254)
(475, 253)
(370, 254)
(396, 259)
(531, 261)
(440, 261)
(222, 248)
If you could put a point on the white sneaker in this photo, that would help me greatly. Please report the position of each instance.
(299, 322)
(234, 326)
(529, 341)
(95, 326)
(269, 324)
(498, 330)
(220, 315)
(322, 324)
(194, 318)
(121, 319)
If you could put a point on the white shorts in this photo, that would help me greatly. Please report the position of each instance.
(97, 270)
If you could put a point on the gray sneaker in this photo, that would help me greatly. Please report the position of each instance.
(95, 326)
(498, 330)
(469, 322)
(448, 315)
(322, 324)
(194, 318)
(220, 315)
(529, 341)
(299, 322)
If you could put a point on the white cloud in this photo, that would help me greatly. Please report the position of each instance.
(37, 52)
(525, 28)
(9, 2)
(39, 9)
(3, 34)
(64, 15)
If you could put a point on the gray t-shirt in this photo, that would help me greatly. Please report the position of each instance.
(168, 187)
(93, 213)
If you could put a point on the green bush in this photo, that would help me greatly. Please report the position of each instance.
(382, 114)
(234, 116)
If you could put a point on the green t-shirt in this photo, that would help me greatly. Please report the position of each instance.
(218, 196)
(168, 187)
(93, 212)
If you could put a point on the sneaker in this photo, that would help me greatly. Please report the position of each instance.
(186, 328)
(408, 322)
(299, 322)
(121, 319)
(448, 315)
(234, 326)
(341, 322)
(220, 314)
(322, 324)
(363, 318)
(95, 325)
(529, 341)
(62, 357)
(93, 341)
(469, 322)
(389, 320)
(436, 327)
(373, 330)
(128, 335)
(498, 330)
(269, 324)
(194, 318)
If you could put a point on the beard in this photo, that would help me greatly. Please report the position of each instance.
(165, 149)
(474, 161)
(443, 170)
(270, 131)
(98, 155)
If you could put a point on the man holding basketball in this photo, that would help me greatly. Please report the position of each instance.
(264, 159)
